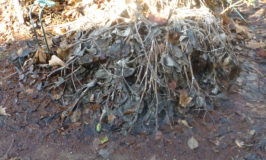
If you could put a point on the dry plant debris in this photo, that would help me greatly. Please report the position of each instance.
(141, 67)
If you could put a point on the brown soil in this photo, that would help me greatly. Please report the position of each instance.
(34, 130)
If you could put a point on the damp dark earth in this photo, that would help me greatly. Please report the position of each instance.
(188, 84)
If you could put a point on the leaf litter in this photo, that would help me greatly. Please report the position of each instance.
(140, 68)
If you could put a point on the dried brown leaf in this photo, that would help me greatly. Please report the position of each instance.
(111, 117)
(244, 30)
(62, 54)
(185, 123)
(241, 29)
(239, 143)
(41, 56)
(20, 51)
(50, 42)
(184, 99)
(55, 61)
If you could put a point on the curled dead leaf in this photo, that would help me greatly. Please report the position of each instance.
(239, 143)
(111, 117)
(41, 56)
(20, 51)
(55, 61)
(184, 99)
(244, 30)
(185, 123)
(62, 53)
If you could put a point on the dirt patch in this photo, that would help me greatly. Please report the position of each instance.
(233, 129)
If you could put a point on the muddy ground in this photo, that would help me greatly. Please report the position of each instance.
(234, 130)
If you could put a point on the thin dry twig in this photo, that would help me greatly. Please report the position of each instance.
(83, 93)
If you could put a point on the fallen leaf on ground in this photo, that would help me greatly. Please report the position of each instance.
(41, 56)
(239, 143)
(225, 19)
(244, 30)
(3, 111)
(111, 117)
(50, 42)
(240, 28)
(192, 143)
(62, 53)
(20, 51)
(184, 99)
(104, 140)
(185, 123)
(55, 61)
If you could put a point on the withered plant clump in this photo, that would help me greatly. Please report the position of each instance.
(147, 63)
